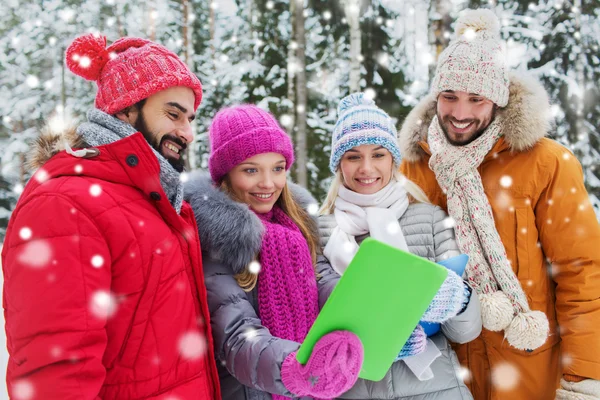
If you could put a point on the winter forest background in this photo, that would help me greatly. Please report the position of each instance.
(298, 59)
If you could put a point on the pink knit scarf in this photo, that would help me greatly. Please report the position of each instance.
(288, 301)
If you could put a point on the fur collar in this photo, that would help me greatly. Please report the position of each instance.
(525, 119)
(49, 143)
(229, 231)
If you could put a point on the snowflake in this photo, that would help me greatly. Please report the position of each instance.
(97, 261)
(313, 208)
(25, 233)
(184, 177)
(41, 175)
(85, 62)
(78, 169)
(505, 376)
(449, 223)
(103, 304)
(56, 351)
(464, 374)
(250, 333)
(286, 120)
(23, 390)
(269, 5)
(36, 254)
(254, 267)
(192, 345)
(32, 81)
(470, 34)
(370, 93)
(95, 190)
(327, 15)
(506, 181)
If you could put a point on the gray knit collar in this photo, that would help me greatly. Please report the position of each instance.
(103, 129)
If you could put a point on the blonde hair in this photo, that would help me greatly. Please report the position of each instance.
(246, 279)
(416, 194)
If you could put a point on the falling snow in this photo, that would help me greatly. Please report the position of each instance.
(254, 267)
(192, 345)
(25, 233)
(23, 390)
(35, 254)
(97, 261)
(505, 377)
(103, 304)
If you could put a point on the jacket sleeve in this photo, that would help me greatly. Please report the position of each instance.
(570, 238)
(245, 347)
(467, 325)
(57, 275)
(327, 278)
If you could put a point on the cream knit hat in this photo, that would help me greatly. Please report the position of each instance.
(474, 61)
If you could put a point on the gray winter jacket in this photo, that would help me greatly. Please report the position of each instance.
(429, 236)
(249, 358)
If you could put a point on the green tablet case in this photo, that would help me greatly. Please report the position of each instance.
(381, 297)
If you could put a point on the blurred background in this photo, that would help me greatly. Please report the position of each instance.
(297, 59)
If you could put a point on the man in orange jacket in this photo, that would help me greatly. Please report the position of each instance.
(477, 146)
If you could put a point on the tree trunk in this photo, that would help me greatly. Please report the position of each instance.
(301, 155)
(580, 136)
(291, 71)
(352, 11)
(440, 31)
(190, 154)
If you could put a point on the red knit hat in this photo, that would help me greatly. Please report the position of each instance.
(129, 70)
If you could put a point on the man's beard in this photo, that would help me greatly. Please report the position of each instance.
(477, 122)
(150, 137)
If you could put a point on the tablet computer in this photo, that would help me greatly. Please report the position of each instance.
(381, 297)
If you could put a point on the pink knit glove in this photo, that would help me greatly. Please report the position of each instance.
(331, 370)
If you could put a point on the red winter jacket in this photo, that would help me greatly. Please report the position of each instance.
(104, 294)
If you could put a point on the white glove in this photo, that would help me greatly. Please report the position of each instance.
(588, 389)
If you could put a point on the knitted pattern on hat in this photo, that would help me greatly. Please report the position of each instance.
(474, 62)
(129, 70)
(360, 122)
(240, 132)
(503, 302)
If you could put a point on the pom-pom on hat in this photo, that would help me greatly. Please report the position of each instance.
(240, 132)
(474, 62)
(129, 70)
(360, 122)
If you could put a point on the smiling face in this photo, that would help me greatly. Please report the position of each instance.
(165, 121)
(258, 181)
(464, 116)
(366, 169)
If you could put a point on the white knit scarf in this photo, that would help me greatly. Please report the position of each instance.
(377, 214)
(358, 214)
(504, 304)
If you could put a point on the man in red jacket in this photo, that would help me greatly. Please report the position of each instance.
(104, 295)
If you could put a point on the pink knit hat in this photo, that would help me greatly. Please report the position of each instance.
(240, 132)
(129, 70)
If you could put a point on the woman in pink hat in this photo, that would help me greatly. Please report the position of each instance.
(259, 249)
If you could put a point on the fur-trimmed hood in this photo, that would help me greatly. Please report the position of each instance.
(229, 231)
(49, 143)
(525, 119)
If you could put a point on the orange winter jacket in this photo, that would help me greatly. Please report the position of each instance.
(552, 238)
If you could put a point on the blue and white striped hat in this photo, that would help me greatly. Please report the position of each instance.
(360, 122)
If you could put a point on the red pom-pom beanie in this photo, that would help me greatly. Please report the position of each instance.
(129, 70)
